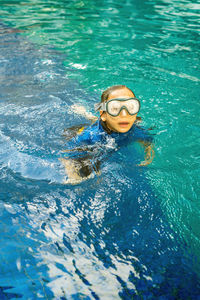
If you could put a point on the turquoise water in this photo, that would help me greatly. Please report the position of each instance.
(72, 241)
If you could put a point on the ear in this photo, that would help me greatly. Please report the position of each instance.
(103, 115)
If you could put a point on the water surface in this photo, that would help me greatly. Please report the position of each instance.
(128, 233)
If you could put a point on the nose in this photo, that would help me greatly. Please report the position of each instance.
(123, 112)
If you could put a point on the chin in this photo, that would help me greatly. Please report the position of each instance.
(123, 130)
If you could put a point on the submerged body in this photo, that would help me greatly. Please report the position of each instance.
(92, 145)
(100, 133)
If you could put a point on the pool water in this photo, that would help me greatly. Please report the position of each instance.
(128, 232)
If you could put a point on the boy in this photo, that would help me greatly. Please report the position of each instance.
(117, 125)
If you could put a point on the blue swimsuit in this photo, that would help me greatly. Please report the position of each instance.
(94, 143)
(99, 133)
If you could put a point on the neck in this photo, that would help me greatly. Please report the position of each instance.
(105, 127)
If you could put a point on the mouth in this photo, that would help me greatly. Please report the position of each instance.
(123, 124)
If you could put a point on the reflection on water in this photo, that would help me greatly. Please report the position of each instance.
(93, 240)
(128, 233)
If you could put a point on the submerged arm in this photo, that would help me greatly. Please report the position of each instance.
(80, 169)
(149, 153)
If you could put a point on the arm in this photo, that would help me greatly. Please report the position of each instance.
(80, 169)
(71, 171)
(79, 109)
(76, 169)
(149, 153)
(79, 159)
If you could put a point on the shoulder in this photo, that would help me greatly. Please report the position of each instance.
(90, 135)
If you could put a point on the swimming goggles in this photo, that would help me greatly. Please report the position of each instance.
(114, 106)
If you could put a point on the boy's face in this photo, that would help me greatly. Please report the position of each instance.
(123, 122)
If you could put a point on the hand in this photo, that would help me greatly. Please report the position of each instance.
(149, 155)
(79, 109)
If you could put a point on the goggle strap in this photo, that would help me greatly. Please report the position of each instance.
(97, 106)
(100, 106)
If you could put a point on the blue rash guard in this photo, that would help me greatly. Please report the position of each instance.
(99, 133)
(94, 143)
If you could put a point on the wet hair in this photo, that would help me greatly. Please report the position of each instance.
(108, 91)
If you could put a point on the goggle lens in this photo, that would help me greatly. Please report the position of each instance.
(115, 106)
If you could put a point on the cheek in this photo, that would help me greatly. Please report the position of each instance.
(133, 118)
(106, 117)
(112, 120)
